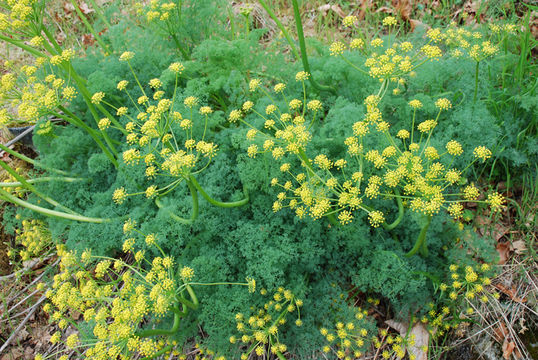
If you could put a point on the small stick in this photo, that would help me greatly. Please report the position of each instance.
(23, 322)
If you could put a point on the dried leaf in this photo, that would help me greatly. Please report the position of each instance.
(504, 252)
(482, 220)
(336, 8)
(385, 9)
(416, 23)
(88, 39)
(15, 353)
(85, 8)
(22, 335)
(68, 7)
(60, 38)
(496, 232)
(511, 292)
(404, 8)
(365, 4)
(508, 348)
(398, 326)
(519, 246)
(500, 332)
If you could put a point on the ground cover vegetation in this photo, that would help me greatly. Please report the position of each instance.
(263, 194)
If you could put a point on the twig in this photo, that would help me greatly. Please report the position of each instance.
(23, 322)
(23, 300)
(35, 280)
(26, 268)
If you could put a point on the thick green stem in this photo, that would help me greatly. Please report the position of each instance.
(192, 305)
(94, 135)
(476, 82)
(157, 332)
(90, 27)
(304, 56)
(22, 46)
(178, 314)
(400, 213)
(100, 14)
(420, 244)
(179, 47)
(194, 213)
(40, 180)
(281, 27)
(35, 163)
(216, 202)
(15, 200)
(27, 185)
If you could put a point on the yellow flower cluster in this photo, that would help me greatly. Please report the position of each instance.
(30, 95)
(391, 346)
(261, 330)
(408, 167)
(116, 299)
(398, 61)
(158, 11)
(466, 286)
(347, 340)
(160, 137)
(16, 16)
(35, 239)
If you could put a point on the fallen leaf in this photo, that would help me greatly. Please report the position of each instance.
(519, 246)
(421, 336)
(508, 348)
(85, 8)
(404, 8)
(511, 292)
(22, 335)
(60, 38)
(365, 4)
(398, 326)
(336, 8)
(15, 353)
(88, 39)
(500, 332)
(416, 23)
(504, 252)
(385, 9)
(68, 7)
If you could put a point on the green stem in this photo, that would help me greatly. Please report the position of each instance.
(15, 200)
(22, 46)
(33, 189)
(476, 82)
(281, 27)
(157, 332)
(40, 180)
(194, 213)
(35, 163)
(179, 47)
(400, 213)
(94, 135)
(100, 14)
(194, 304)
(216, 202)
(90, 28)
(420, 244)
(304, 56)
